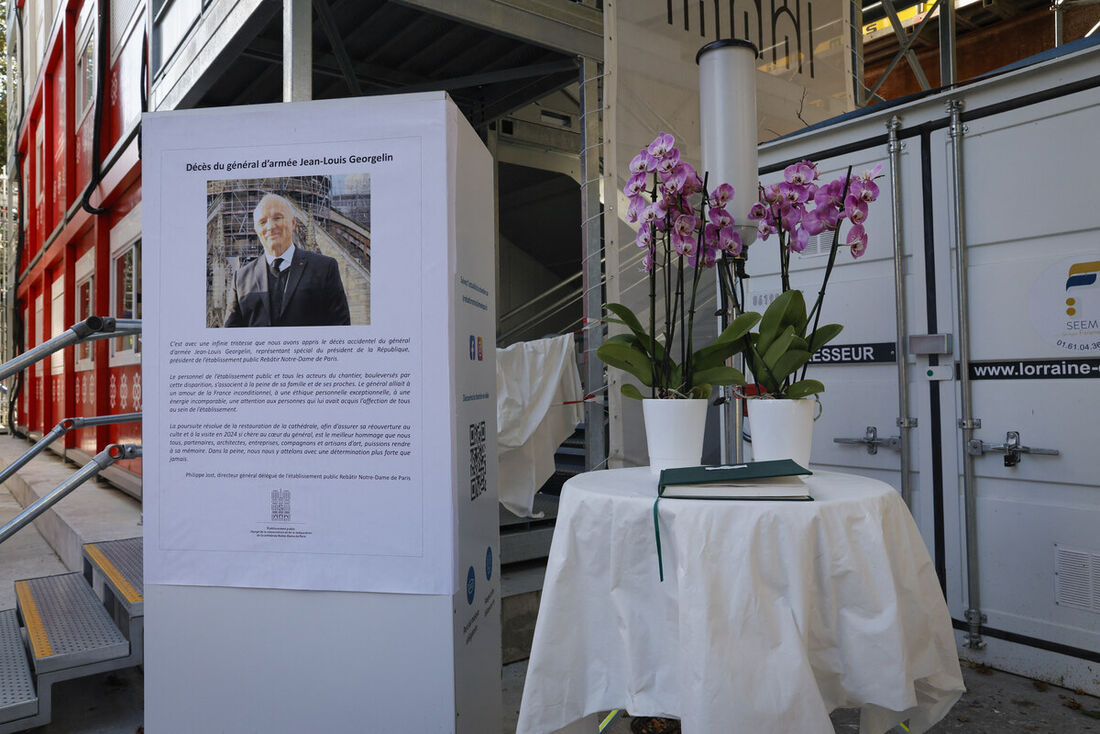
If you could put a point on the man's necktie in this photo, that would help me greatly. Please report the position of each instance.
(276, 290)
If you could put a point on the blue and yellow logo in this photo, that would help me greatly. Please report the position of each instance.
(1080, 275)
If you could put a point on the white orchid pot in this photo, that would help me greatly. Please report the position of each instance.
(674, 431)
(782, 429)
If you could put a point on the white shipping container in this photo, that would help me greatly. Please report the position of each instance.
(1025, 563)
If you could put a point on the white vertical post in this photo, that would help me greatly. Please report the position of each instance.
(727, 125)
(297, 50)
(727, 122)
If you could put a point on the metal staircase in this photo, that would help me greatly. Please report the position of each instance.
(63, 629)
(70, 625)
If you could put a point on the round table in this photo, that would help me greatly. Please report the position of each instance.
(771, 613)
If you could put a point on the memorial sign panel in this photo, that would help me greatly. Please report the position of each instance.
(299, 363)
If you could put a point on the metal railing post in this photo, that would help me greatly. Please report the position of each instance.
(66, 425)
(91, 329)
(102, 460)
(967, 423)
(595, 443)
(904, 422)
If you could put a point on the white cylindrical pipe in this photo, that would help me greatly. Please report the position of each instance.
(727, 122)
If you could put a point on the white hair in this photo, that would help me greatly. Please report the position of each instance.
(283, 202)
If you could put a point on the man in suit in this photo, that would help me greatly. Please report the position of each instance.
(288, 286)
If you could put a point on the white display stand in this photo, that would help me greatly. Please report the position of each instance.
(321, 524)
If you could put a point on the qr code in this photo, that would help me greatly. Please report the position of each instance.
(477, 460)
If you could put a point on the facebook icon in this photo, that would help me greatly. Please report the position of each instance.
(473, 347)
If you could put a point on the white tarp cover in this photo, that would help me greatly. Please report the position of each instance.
(770, 615)
(538, 384)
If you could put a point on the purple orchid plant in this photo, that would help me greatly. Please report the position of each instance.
(794, 210)
(683, 229)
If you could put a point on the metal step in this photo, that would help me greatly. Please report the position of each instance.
(17, 696)
(67, 624)
(117, 564)
(523, 538)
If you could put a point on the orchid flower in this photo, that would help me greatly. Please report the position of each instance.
(721, 217)
(872, 174)
(855, 209)
(813, 223)
(668, 162)
(865, 189)
(790, 217)
(661, 145)
(799, 240)
(721, 195)
(683, 244)
(857, 239)
(800, 173)
(729, 240)
(692, 183)
(685, 225)
(635, 186)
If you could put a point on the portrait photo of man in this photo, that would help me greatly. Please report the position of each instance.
(287, 286)
(288, 251)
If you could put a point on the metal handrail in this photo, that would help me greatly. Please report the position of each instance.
(92, 328)
(545, 294)
(565, 301)
(102, 460)
(66, 425)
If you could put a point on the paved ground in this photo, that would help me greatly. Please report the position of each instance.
(25, 555)
(995, 703)
(109, 703)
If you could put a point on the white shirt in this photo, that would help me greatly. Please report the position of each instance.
(287, 256)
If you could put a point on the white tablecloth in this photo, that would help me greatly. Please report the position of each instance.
(771, 614)
(538, 407)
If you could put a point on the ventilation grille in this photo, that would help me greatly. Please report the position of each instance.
(819, 244)
(1077, 578)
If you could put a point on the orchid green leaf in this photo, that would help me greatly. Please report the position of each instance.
(824, 335)
(788, 363)
(779, 347)
(647, 343)
(629, 390)
(721, 375)
(628, 319)
(738, 327)
(713, 355)
(789, 309)
(803, 388)
(628, 358)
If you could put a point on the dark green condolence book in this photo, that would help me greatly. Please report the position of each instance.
(754, 480)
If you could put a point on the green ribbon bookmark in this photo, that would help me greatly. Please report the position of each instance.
(657, 537)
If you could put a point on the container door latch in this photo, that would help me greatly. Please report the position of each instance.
(872, 441)
(1011, 448)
